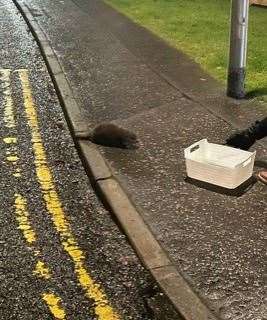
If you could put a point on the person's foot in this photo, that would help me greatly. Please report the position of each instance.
(262, 176)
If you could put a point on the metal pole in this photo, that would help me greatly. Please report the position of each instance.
(238, 49)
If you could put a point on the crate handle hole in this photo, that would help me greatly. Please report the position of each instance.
(194, 148)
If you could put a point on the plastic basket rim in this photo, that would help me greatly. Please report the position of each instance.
(202, 141)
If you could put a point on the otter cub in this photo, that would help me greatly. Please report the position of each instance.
(110, 135)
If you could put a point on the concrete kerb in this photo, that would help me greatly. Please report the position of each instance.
(188, 305)
(94, 161)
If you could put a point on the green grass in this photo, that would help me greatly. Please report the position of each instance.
(201, 29)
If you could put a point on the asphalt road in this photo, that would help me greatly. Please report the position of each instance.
(61, 254)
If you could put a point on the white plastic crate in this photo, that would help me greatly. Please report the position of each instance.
(219, 165)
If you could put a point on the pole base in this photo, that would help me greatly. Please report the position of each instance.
(236, 83)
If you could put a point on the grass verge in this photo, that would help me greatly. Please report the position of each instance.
(200, 28)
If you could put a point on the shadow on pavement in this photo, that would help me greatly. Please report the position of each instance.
(237, 192)
(256, 93)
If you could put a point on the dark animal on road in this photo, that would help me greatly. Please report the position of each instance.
(110, 135)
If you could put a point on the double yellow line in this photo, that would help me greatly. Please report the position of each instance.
(53, 205)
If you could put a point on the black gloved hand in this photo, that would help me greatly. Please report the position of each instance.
(241, 139)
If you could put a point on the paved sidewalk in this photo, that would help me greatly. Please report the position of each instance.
(120, 72)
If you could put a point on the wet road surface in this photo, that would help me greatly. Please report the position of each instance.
(61, 255)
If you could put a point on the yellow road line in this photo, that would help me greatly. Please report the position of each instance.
(17, 173)
(9, 118)
(53, 303)
(22, 216)
(13, 158)
(20, 203)
(42, 271)
(10, 140)
(53, 204)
